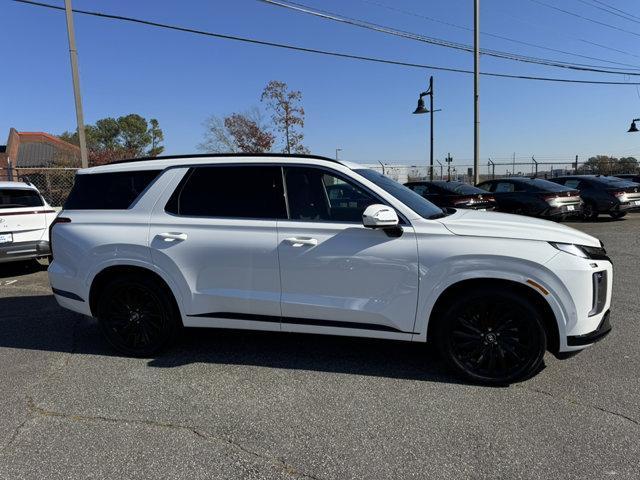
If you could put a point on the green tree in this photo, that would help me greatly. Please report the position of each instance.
(628, 165)
(287, 114)
(601, 164)
(128, 136)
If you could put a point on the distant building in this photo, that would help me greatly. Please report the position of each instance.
(37, 150)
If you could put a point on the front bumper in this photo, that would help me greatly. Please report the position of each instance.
(11, 252)
(588, 338)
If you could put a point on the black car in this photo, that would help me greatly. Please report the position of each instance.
(534, 196)
(453, 194)
(604, 194)
(632, 177)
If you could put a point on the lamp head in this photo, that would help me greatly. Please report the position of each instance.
(633, 128)
(421, 107)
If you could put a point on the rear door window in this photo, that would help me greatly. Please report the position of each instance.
(19, 198)
(572, 183)
(108, 191)
(230, 192)
(419, 189)
(504, 187)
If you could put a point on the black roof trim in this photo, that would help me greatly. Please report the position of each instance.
(221, 155)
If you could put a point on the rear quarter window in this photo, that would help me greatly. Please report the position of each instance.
(19, 198)
(108, 191)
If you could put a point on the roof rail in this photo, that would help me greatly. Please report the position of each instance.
(218, 155)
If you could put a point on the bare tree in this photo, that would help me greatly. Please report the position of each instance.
(238, 132)
(287, 114)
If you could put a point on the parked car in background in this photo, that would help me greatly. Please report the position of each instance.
(255, 242)
(25, 217)
(535, 197)
(604, 194)
(631, 177)
(453, 194)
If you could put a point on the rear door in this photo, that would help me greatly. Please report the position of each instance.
(23, 217)
(215, 235)
(337, 276)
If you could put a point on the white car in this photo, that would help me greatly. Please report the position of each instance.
(264, 242)
(25, 218)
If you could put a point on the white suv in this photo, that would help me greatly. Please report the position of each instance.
(308, 244)
(24, 222)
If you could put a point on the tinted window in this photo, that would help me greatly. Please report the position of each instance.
(540, 184)
(419, 189)
(502, 187)
(487, 186)
(108, 191)
(459, 188)
(611, 182)
(572, 183)
(317, 195)
(19, 197)
(230, 192)
(411, 199)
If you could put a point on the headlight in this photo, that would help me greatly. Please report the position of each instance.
(570, 248)
(582, 251)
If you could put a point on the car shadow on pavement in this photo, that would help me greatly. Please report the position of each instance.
(18, 269)
(38, 323)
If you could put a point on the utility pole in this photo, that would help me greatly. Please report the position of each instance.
(337, 151)
(448, 160)
(73, 53)
(476, 92)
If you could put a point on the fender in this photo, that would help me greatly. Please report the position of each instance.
(437, 279)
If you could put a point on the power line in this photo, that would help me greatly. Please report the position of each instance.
(616, 9)
(300, 8)
(317, 51)
(494, 35)
(577, 15)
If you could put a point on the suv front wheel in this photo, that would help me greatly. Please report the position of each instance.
(492, 337)
(137, 315)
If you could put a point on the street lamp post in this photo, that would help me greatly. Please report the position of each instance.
(338, 150)
(633, 128)
(422, 109)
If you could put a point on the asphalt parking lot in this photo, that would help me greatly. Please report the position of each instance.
(264, 405)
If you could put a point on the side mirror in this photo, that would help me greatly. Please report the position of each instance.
(379, 216)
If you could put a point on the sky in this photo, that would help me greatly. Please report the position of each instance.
(363, 108)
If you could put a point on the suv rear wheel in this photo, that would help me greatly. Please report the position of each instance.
(492, 337)
(137, 315)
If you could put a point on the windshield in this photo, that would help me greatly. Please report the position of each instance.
(411, 199)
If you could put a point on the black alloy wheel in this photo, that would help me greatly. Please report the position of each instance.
(138, 315)
(493, 337)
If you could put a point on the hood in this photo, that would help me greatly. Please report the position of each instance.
(503, 225)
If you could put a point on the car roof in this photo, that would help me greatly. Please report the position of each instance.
(19, 185)
(163, 162)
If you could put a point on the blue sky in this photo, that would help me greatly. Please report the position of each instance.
(363, 108)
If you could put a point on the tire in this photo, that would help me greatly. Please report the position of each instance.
(138, 315)
(589, 211)
(492, 337)
(617, 215)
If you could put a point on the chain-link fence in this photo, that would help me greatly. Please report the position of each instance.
(54, 183)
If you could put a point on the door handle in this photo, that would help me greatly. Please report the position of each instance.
(300, 241)
(171, 237)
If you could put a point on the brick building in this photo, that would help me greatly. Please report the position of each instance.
(36, 150)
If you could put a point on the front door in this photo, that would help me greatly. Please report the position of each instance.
(338, 276)
(216, 237)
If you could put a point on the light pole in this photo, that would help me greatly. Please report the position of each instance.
(633, 128)
(448, 160)
(476, 92)
(422, 109)
(337, 151)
